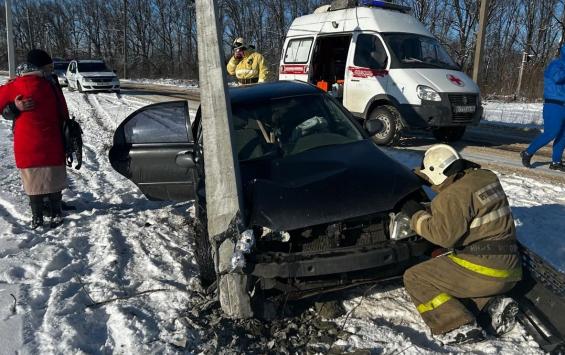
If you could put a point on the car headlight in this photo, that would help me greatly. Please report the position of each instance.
(426, 93)
(400, 226)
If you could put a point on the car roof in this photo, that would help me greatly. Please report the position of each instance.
(272, 90)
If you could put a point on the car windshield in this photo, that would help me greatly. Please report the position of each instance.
(92, 67)
(60, 65)
(416, 51)
(290, 125)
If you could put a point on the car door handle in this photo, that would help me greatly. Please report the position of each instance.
(185, 159)
(355, 80)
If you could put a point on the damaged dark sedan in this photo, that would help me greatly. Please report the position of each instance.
(321, 200)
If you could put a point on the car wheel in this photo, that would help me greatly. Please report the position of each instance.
(79, 88)
(203, 249)
(392, 126)
(449, 134)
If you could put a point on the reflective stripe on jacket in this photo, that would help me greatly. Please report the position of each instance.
(251, 66)
(468, 209)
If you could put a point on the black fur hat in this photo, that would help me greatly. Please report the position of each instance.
(38, 58)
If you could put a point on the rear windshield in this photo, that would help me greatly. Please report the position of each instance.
(92, 67)
(290, 126)
(416, 51)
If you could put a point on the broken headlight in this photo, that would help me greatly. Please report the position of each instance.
(244, 245)
(399, 226)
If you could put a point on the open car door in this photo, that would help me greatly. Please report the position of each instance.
(154, 148)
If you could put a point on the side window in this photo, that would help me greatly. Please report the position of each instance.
(370, 52)
(298, 50)
(163, 123)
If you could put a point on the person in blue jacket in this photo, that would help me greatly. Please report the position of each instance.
(553, 115)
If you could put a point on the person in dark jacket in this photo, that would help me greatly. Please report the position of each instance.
(38, 142)
(470, 217)
(553, 115)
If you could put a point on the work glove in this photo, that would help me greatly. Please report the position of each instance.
(411, 207)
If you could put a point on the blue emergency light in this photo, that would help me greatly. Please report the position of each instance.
(385, 5)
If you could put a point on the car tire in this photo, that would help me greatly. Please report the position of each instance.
(392, 125)
(79, 88)
(449, 134)
(202, 246)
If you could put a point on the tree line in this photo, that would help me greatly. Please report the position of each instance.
(160, 35)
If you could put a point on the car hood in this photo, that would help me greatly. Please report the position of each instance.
(98, 74)
(328, 184)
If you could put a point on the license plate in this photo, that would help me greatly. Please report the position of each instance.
(464, 109)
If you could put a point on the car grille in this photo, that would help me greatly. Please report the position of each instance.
(543, 272)
(102, 80)
(462, 100)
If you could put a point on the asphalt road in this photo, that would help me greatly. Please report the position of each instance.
(495, 147)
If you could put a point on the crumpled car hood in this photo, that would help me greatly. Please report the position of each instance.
(328, 184)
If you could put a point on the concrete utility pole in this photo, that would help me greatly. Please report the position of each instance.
(223, 186)
(10, 39)
(125, 39)
(480, 46)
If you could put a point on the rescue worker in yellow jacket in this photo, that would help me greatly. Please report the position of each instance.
(246, 64)
(470, 217)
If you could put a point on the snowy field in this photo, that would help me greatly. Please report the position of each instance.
(119, 276)
(519, 115)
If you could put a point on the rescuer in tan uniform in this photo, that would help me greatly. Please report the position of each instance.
(471, 218)
(246, 64)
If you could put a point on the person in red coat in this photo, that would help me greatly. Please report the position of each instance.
(38, 141)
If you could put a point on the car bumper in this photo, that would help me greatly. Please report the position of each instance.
(337, 267)
(452, 110)
(92, 86)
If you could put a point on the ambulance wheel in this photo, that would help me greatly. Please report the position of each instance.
(449, 134)
(392, 126)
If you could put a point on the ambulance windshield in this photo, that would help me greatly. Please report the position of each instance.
(416, 51)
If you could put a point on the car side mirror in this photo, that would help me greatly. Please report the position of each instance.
(115, 71)
(373, 127)
(185, 160)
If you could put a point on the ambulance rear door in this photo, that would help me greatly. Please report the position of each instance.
(295, 63)
(367, 71)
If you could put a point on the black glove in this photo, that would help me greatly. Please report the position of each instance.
(411, 207)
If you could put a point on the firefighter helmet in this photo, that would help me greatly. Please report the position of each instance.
(436, 160)
(239, 43)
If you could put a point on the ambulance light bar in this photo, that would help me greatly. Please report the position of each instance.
(385, 5)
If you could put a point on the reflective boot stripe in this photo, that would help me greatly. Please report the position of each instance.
(487, 271)
(490, 217)
(434, 303)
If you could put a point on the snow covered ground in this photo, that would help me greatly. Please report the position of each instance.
(119, 275)
(520, 115)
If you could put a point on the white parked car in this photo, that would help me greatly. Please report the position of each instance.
(91, 75)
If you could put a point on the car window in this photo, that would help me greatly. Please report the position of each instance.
(92, 67)
(291, 125)
(370, 52)
(298, 50)
(166, 123)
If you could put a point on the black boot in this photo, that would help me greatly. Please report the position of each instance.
(557, 166)
(56, 215)
(36, 203)
(526, 159)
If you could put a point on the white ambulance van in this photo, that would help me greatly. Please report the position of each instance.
(382, 64)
